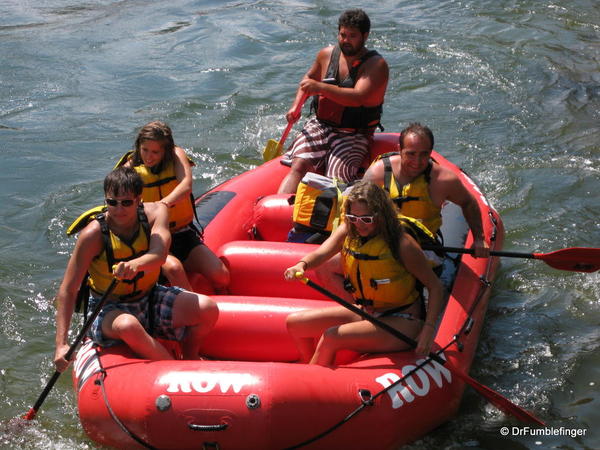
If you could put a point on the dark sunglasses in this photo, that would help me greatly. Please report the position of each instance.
(364, 219)
(112, 202)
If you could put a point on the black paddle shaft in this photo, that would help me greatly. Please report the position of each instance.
(470, 251)
(494, 397)
(384, 326)
(86, 326)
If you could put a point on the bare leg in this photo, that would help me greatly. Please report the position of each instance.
(330, 275)
(305, 327)
(175, 273)
(362, 336)
(126, 327)
(306, 348)
(202, 260)
(299, 168)
(199, 314)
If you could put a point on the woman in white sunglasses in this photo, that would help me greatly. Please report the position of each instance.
(377, 268)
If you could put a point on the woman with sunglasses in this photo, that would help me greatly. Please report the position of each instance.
(167, 175)
(379, 267)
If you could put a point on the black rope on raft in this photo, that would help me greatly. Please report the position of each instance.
(121, 425)
(370, 401)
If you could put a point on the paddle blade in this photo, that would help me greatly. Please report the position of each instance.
(575, 259)
(271, 150)
(30, 414)
(496, 399)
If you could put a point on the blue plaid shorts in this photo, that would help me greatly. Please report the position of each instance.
(163, 299)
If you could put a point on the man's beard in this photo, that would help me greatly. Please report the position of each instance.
(349, 50)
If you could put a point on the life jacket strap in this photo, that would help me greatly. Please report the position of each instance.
(399, 201)
(159, 182)
(364, 302)
(389, 312)
(362, 256)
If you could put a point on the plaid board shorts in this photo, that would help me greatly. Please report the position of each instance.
(335, 154)
(163, 299)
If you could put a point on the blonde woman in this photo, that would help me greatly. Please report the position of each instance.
(380, 266)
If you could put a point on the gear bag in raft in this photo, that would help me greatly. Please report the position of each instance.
(317, 208)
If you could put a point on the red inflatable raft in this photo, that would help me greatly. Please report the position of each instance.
(251, 394)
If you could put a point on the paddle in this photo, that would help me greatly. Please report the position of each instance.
(86, 326)
(274, 148)
(575, 259)
(492, 396)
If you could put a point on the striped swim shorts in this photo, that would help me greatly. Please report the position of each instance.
(333, 153)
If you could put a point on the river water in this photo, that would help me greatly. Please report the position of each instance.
(511, 90)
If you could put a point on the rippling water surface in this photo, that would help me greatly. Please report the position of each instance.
(511, 90)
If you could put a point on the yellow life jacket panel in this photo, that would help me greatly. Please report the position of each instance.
(158, 185)
(82, 221)
(115, 250)
(417, 230)
(375, 276)
(413, 199)
(318, 203)
(81, 304)
(422, 235)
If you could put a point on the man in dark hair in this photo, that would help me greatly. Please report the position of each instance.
(129, 241)
(355, 18)
(348, 83)
(122, 182)
(420, 186)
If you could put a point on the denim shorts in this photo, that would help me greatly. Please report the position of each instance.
(162, 298)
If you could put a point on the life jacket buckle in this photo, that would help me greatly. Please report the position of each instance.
(375, 283)
(348, 285)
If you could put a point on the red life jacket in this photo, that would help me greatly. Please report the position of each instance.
(363, 118)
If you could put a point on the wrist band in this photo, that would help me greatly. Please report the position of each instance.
(305, 263)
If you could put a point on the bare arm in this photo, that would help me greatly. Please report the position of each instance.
(374, 173)
(314, 73)
(183, 172)
(369, 89)
(160, 240)
(88, 245)
(324, 252)
(415, 262)
(457, 193)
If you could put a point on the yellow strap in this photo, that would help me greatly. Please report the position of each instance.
(123, 159)
(338, 212)
(81, 222)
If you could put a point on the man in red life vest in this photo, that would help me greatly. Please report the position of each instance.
(349, 84)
